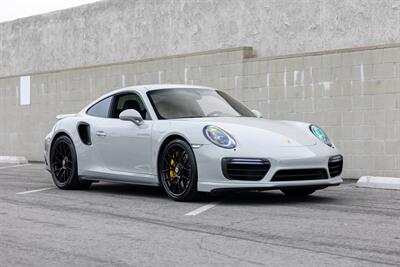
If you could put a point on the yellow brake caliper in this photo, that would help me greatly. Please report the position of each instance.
(172, 169)
(172, 165)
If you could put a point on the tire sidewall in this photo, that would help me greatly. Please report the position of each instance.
(192, 188)
(69, 183)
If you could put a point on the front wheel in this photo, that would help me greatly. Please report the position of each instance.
(177, 171)
(64, 166)
(300, 192)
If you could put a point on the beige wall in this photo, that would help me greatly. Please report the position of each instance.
(354, 94)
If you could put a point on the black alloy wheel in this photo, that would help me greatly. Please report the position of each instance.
(178, 171)
(64, 165)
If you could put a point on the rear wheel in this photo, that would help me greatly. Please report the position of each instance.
(64, 166)
(178, 171)
(300, 192)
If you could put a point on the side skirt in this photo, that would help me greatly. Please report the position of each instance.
(120, 181)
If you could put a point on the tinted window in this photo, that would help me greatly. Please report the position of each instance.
(100, 109)
(195, 103)
(128, 101)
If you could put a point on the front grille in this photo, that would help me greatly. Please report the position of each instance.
(335, 165)
(245, 168)
(299, 175)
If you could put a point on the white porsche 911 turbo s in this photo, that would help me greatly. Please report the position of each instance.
(188, 139)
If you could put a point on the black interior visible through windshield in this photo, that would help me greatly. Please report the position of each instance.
(195, 103)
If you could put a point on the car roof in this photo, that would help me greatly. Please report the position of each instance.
(151, 87)
(143, 89)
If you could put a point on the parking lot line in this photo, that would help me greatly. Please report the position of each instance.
(34, 191)
(201, 209)
(14, 166)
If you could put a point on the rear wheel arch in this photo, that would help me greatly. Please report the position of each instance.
(71, 179)
(58, 135)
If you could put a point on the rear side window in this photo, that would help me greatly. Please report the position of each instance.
(100, 109)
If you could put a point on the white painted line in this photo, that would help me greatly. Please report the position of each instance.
(34, 191)
(379, 182)
(201, 209)
(14, 166)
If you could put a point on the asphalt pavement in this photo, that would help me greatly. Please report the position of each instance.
(127, 225)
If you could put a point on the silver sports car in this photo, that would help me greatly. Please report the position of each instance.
(188, 139)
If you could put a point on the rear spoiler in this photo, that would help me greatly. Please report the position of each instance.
(63, 116)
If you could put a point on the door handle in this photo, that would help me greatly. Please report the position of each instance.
(101, 133)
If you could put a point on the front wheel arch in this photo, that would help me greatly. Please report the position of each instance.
(192, 193)
(165, 142)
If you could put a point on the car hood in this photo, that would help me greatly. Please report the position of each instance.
(263, 132)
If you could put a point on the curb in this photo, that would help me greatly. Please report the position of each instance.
(13, 159)
(379, 182)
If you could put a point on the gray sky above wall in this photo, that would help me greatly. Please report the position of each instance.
(11, 10)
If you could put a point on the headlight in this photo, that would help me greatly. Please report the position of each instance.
(320, 134)
(219, 137)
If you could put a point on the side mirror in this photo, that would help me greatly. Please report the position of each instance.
(257, 113)
(131, 115)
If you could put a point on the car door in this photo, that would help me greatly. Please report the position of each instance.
(90, 161)
(125, 148)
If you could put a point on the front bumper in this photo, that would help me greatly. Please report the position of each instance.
(211, 177)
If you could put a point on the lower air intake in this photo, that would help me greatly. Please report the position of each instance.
(335, 165)
(299, 175)
(245, 168)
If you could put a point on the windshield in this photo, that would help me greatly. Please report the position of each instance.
(195, 103)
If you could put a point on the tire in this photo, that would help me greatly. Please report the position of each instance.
(300, 192)
(64, 165)
(177, 171)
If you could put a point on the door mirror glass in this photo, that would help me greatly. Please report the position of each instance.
(131, 115)
(257, 113)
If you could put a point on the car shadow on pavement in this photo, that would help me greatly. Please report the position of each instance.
(272, 198)
(228, 198)
(128, 189)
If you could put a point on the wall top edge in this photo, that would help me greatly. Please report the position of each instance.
(248, 56)
(325, 52)
(247, 53)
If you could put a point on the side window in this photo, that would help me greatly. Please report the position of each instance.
(100, 109)
(128, 101)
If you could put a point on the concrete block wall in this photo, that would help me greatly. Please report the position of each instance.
(23, 128)
(354, 94)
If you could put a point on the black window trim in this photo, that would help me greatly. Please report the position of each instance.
(112, 104)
